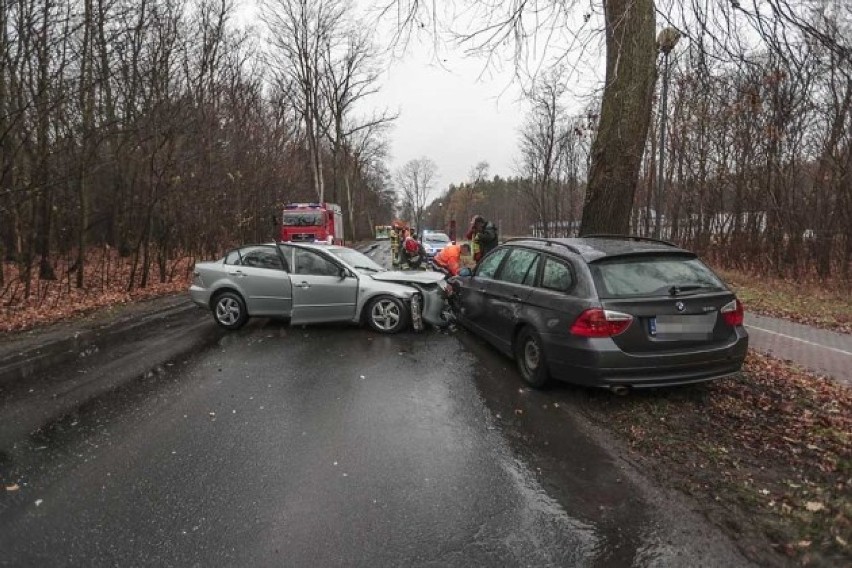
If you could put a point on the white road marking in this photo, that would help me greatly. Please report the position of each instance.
(835, 349)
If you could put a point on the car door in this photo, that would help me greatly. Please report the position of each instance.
(322, 289)
(507, 294)
(474, 289)
(554, 304)
(261, 274)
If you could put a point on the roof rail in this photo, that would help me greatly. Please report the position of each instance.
(548, 242)
(628, 238)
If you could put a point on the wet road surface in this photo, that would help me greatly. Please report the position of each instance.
(819, 350)
(332, 446)
(322, 446)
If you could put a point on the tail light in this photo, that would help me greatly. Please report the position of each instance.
(597, 322)
(733, 313)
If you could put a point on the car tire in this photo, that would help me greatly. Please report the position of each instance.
(229, 310)
(529, 354)
(387, 314)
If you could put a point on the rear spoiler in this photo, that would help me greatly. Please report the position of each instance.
(637, 254)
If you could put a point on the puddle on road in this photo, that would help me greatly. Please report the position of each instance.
(562, 473)
(546, 518)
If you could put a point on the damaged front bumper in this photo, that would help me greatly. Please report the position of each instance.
(417, 312)
(430, 307)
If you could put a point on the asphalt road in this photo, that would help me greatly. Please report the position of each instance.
(320, 446)
(330, 446)
(825, 352)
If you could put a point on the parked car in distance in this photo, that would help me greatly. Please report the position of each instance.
(434, 242)
(315, 283)
(608, 311)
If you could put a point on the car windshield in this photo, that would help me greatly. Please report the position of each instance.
(436, 238)
(302, 219)
(355, 259)
(653, 276)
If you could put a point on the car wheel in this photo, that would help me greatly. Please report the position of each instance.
(529, 353)
(229, 310)
(387, 314)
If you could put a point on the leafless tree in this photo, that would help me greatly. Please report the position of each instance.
(301, 33)
(414, 182)
(542, 141)
(350, 73)
(629, 27)
(136, 133)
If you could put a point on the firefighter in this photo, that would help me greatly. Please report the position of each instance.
(411, 253)
(483, 236)
(394, 243)
(448, 260)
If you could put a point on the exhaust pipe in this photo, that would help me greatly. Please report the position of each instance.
(619, 390)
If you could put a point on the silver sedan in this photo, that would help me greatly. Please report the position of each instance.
(313, 283)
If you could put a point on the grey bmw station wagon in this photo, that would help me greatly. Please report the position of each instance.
(607, 310)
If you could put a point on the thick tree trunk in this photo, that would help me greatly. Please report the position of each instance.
(625, 116)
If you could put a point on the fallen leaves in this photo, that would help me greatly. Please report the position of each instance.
(814, 506)
(773, 448)
(107, 276)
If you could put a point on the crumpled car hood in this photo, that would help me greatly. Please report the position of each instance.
(405, 276)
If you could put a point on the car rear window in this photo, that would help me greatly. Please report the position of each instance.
(436, 238)
(652, 276)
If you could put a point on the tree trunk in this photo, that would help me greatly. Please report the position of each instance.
(87, 104)
(44, 188)
(350, 205)
(625, 116)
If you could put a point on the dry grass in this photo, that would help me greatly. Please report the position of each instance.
(806, 301)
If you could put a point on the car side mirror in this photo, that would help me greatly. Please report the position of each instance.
(343, 273)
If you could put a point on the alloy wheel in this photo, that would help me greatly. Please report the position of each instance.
(385, 314)
(228, 311)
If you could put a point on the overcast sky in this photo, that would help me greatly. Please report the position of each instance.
(447, 112)
(450, 114)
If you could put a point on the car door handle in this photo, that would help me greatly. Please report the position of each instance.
(515, 298)
(481, 290)
(302, 285)
(237, 273)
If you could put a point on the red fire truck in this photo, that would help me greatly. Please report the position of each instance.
(309, 222)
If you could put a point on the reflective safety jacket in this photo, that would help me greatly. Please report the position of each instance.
(449, 259)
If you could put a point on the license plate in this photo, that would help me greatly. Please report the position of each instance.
(682, 327)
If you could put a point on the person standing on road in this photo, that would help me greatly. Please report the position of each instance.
(448, 260)
(395, 241)
(483, 236)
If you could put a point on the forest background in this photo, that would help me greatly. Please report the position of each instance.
(137, 137)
